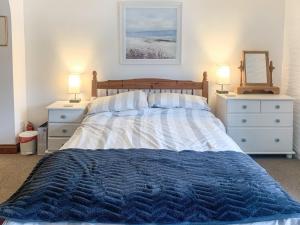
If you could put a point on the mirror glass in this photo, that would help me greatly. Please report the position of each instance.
(256, 68)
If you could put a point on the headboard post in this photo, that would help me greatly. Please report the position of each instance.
(205, 86)
(94, 84)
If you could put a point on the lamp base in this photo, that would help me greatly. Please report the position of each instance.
(75, 100)
(222, 92)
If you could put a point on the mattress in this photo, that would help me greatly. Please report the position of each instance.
(173, 129)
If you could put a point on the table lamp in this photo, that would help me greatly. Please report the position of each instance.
(223, 78)
(74, 87)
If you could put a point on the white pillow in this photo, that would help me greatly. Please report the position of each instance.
(175, 100)
(132, 100)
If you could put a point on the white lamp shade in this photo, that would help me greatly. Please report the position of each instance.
(223, 75)
(74, 84)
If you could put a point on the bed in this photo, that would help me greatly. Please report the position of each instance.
(158, 165)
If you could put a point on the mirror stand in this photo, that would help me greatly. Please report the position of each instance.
(256, 88)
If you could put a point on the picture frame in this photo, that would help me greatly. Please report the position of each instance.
(150, 32)
(3, 31)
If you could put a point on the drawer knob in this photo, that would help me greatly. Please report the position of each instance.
(244, 140)
(64, 131)
(277, 121)
(245, 107)
(277, 140)
(244, 121)
(63, 117)
(277, 107)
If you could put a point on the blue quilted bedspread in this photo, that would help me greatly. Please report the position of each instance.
(149, 186)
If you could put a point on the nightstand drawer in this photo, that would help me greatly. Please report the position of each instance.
(260, 120)
(240, 106)
(62, 129)
(56, 143)
(263, 140)
(66, 116)
(277, 106)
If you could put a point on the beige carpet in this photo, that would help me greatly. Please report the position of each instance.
(15, 168)
(285, 171)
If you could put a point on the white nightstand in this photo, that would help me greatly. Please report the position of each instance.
(259, 124)
(63, 120)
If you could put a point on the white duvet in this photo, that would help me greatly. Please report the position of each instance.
(173, 129)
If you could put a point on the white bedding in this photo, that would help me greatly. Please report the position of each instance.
(173, 129)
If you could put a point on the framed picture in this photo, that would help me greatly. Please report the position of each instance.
(3, 31)
(150, 32)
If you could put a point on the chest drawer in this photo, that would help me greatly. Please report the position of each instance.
(277, 106)
(56, 143)
(263, 140)
(241, 106)
(66, 116)
(260, 120)
(62, 129)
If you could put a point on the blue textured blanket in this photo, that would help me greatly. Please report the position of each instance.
(149, 186)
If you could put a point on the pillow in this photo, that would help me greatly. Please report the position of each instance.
(175, 100)
(132, 100)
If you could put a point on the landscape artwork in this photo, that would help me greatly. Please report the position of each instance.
(151, 34)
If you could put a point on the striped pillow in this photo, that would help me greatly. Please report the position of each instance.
(132, 100)
(175, 100)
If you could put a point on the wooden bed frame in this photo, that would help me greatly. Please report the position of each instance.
(150, 84)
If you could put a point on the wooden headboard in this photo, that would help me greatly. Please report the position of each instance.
(150, 84)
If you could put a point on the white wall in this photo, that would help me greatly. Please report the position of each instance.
(13, 99)
(291, 65)
(19, 68)
(66, 36)
(7, 129)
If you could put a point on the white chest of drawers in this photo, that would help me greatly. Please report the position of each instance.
(259, 124)
(63, 119)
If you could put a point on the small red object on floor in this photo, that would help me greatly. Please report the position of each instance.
(29, 126)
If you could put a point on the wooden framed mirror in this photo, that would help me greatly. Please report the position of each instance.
(256, 73)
